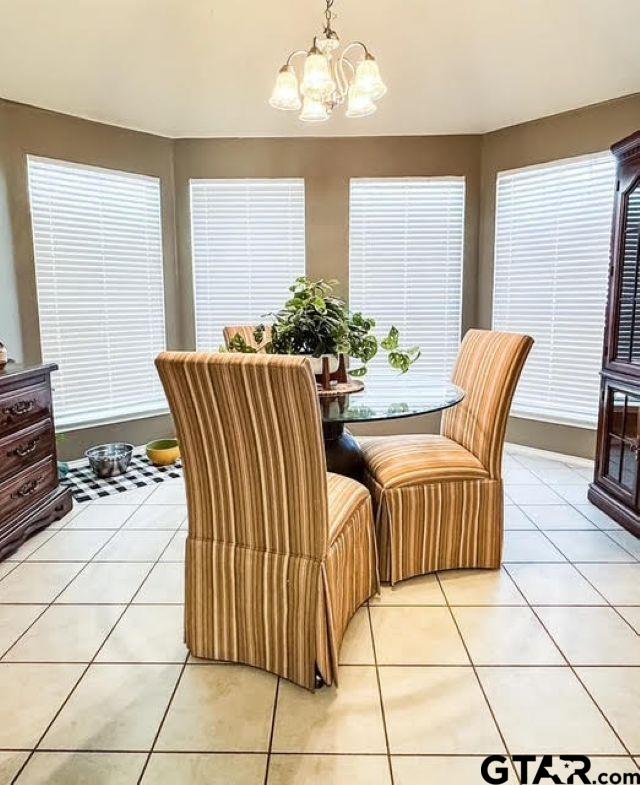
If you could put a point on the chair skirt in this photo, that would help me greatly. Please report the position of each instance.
(438, 526)
(284, 613)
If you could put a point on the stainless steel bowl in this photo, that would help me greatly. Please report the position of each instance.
(109, 460)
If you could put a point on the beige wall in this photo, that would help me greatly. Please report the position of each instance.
(26, 130)
(326, 165)
(583, 131)
(10, 328)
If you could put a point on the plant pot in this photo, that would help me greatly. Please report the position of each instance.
(316, 363)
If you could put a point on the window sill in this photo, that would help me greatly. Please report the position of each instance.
(67, 427)
(554, 420)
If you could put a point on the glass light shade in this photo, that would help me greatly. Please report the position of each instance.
(313, 111)
(359, 104)
(317, 82)
(368, 79)
(285, 91)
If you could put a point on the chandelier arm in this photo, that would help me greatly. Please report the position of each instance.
(294, 54)
(343, 81)
(356, 43)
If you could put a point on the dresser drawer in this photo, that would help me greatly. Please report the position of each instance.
(21, 490)
(23, 406)
(25, 447)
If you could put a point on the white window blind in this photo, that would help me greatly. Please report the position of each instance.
(406, 248)
(248, 247)
(553, 225)
(98, 253)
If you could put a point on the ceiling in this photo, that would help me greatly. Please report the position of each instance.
(205, 68)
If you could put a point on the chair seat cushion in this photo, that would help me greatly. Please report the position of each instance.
(345, 496)
(400, 461)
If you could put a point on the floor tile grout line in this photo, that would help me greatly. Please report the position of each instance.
(573, 563)
(271, 732)
(614, 607)
(532, 608)
(545, 534)
(609, 605)
(475, 673)
(378, 682)
(65, 587)
(582, 684)
(282, 753)
(569, 665)
(574, 506)
(88, 666)
(164, 716)
(51, 532)
(386, 604)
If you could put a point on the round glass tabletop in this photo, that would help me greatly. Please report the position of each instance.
(385, 400)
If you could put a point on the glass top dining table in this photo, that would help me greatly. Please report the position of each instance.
(381, 399)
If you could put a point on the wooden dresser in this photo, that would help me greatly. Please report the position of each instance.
(30, 496)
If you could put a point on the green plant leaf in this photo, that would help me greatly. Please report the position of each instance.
(358, 371)
(391, 341)
(238, 344)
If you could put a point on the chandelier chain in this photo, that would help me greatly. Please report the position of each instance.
(329, 15)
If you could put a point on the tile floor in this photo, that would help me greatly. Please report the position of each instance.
(542, 656)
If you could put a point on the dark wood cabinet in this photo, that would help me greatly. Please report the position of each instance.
(30, 495)
(616, 487)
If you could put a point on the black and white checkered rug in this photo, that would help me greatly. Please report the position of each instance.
(86, 487)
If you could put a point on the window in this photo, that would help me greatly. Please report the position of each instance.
(248, 247)
(553, 225)
(98, 255)
(406, 241)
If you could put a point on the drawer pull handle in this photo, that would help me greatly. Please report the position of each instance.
(22, 450)
(20, 408)
(26, 489)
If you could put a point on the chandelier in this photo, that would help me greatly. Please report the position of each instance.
(328, 79)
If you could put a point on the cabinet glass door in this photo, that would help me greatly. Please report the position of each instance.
(621, 452)
(627, 348)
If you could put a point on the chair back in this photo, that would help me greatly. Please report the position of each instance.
(245, 331)
(488, 367)
(251, 443)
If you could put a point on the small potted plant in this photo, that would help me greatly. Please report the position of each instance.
(317, 323)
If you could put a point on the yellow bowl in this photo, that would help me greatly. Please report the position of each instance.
(163, 452)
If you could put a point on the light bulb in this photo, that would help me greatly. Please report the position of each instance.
(317, 81)
(313, 111)
(285, 91)
(368, 79)
(359, 104)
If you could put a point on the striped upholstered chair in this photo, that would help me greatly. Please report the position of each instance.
(280, 554)
(439, 499)
(245, 331)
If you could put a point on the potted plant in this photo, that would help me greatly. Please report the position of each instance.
(317, 323)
